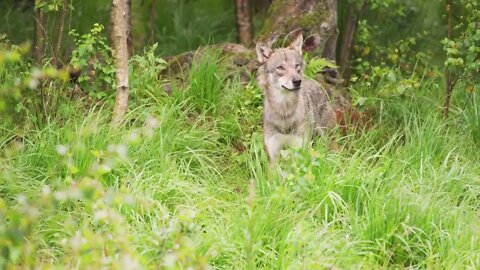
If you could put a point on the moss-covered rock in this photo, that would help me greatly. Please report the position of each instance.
(285, 16)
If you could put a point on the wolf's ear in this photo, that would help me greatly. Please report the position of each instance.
(263, 52)
(297, 44)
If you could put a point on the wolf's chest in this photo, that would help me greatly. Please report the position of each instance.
(285, 124)
(284, 113)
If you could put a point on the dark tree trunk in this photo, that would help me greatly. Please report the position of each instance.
(243, 13)
(330, 49)
(353, 16)
(129, 28)
(261, 6)
(39, 37)
(152, 19)
(450, 79)
(61, 28)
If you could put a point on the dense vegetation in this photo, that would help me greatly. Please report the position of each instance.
(184, 183)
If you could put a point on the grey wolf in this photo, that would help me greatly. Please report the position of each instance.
(295, 108)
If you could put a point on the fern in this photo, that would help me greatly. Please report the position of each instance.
(317, 65)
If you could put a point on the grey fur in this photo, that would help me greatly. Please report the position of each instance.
(292, 114)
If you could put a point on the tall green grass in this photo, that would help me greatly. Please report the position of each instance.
(173, 189)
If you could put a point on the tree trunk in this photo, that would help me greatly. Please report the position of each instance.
(330, 49)
(243, 14)
(39, 38)
(316, 19)
(261, 6)
(353, 17)
(450, 81)
(119, 22)
(152, 19)
(129, 28)
(61, 28)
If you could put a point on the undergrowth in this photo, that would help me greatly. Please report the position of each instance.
(185, 183)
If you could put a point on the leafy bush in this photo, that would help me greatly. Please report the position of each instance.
(93, 58)
(145, 81)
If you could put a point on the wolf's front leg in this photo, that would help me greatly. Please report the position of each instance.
(273, 145)
(302, 137)
(297, 141)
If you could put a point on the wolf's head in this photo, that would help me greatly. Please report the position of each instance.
(282, 67)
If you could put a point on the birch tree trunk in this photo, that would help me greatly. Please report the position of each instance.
(243, 13)
(119, 19)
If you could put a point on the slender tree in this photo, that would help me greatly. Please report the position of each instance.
(129, 28)
(61, 29)
(450, 78)
(243, 14)
(39, 37)
(152, 19)
(119, 22)
(330, 49)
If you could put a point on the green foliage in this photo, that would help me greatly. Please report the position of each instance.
(471, 115)
(185, 182)
(93, 57)
(316, 65)
(98, 240)
(144, 80)
(177, 187)
(185, 25)
(463, 51)
(10, 61)
(49, 5)
(406, 44)
(241, 119)
(205, 83)
(29, 91)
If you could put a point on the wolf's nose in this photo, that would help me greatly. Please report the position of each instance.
(296, 82)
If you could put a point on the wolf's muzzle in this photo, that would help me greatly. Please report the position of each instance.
(297, 83)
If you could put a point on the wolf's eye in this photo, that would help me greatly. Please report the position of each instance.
(297, 66)
(280, 68)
